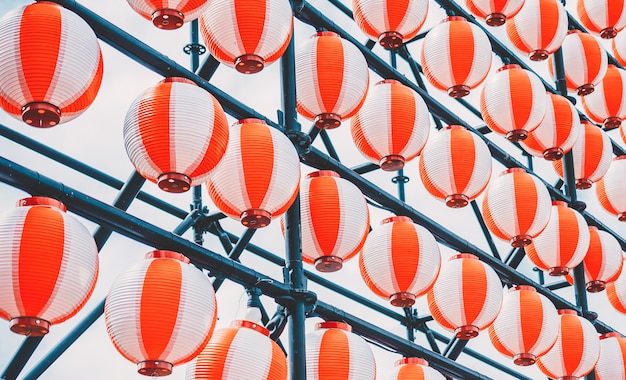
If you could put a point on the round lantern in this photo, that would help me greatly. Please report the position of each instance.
(259, 175)
(389, 22)
(400, 260)
(456, 56)
(332, 79)
(334, 352)
(247, 34)
(169, 15)
(513, 102)
(334, 220)
(175, 134)
(241, 351)
(576, 350)
(607, 104)
(466, 297)
(539, 28)
(563, 243)
(414, 369)
(160, 312)
(618, 47)
(495, 13)
(51, 74)
(557, 132)
(48, 265)
(603, 17)
(592, 153)
(455, 166)
(527, 326)
(616, 291)
(586, 59)
(392, 126)
(516, 207)
(611, 189)
(611, 363)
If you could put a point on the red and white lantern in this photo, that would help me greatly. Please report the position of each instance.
(576, 350)
(160, 312)
(259, 175)
(516, 207)
(557, 132)
(332, 79)
(467, 296)
(175, 134)
(611, 363)
(48, 265)
(414, 369)
(456, 56)
(611, 189)
(495, 13)
(527, 326)
(563, 243)
(400, 261)
(618, 47)
(592, 153)
(169, 14)
(392, 126)
(334, 352)
(455, 166)
(513, 102)
(616, 291)
(389, 22)
(607, 104)
(603, 17)
(52, 65)
(247, 34)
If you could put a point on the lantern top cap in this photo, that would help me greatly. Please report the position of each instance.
(396, 218)
(177, 80)
(509, 67)
(463, 256)
(388, 81)
(323, 173)
(250, 120)
(559, 203)
(567, 312)
(418, 361)
(326, 33)
(164, 254)
(251, 325)
(334, 325)
(41, 201)
(522, 287)
(622, 157)
(593, 228)
(572, 31)
(453, 18)
(612, 334)
(454, 127)
(512, 170)
(585, 121)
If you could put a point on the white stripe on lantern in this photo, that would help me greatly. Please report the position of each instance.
(248, 345)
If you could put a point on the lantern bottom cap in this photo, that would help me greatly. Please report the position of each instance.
(255, 218)
(568, 378)
(524, 359)
(459, 91)
(328, 263)
(41, 114)
(539, 55)
(495, 19)
(621, 216)
(174, 182)
(390, 40)
(402, 299)
(612, 122)
(553, 154)
(517, 135)
(249, 63)
(168, 19)
(585, 89)
(392, 162)
(520, 241)
(29, 326)
(466, 332)
(154, 368)
(327, 120)
(558, 271)
(596, 286)
(457, 200)
(583, 183)
(608, 33)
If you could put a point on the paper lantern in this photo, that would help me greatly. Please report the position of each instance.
(259, 175)
(607, 104)
(563, 243)
(48, 265)
(539, 28)
(516, 207)
(175, 134)
(576, 350)
(611, 363)
(332, 79)
(334, 220)
(611, 189)
(160, 312)
(592, 153)
(586, 59)
(456, 56)
(333, 352)
(495, 13)
(390, 22)
(513, 102)
(414, 369)
(392, 126)
(616, 291)
(466, 297)
(603, 17)
(527, 326)
(52, 65)
(400, 260)
(455, 166)
(618, 47)
(247, 34)
(241, 351)
(557, 132)
(169, 14)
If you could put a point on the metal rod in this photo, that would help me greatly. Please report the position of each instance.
(235, 253)
(486, 232)
(329, 145)
(21, 357)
